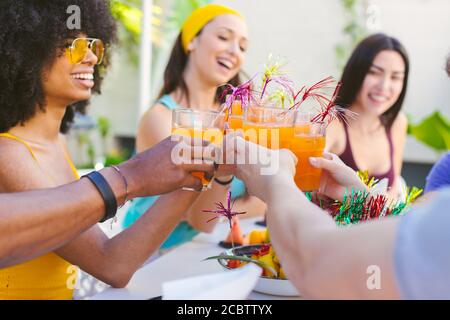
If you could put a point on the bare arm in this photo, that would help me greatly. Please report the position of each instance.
(112, 261)
(115, 260)
(36, 222)
(154, 126)
(322, 260)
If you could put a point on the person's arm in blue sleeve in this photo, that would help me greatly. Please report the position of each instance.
(439, 175)
(422, 250)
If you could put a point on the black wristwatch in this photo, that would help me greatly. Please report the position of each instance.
(224, 183)
(106, 192)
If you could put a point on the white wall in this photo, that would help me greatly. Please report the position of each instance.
(120, 96)
(305, 33)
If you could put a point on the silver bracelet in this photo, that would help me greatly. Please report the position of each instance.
(124, 182)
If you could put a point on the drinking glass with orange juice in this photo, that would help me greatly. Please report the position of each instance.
(269, 127)
(308, 141)
(201, 124)
(235, 118)
(278, 128)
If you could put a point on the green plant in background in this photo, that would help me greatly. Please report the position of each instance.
(109, 157)
(433, 131)
(181, 9)
(171, 25)
(104, 127)
(94, 155)
(168, 17)
(354, 29)
(128, 14)
(166, 23)
(83, 139)
(116, 157)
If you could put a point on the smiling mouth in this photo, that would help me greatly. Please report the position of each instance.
(83, 80)
(225, 63)
(82, 76)
(378, 98)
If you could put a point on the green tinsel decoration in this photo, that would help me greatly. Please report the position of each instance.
(359, 206)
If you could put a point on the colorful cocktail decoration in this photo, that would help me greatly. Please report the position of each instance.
(236, 118)
(241, 95)
(274, 115)
(361, 206)
(227, 212)
(356, 207)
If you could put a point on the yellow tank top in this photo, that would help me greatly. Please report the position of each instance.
(46, 277)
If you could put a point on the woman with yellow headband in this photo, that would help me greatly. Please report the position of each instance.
(208, 53)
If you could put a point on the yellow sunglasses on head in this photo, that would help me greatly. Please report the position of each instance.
(78, 50)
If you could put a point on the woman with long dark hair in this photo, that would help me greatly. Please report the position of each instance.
(374, 85)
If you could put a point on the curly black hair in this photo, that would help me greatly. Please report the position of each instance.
(32, 34)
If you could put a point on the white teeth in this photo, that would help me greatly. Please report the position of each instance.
(83, 76)
(378, 98)
(226, 63)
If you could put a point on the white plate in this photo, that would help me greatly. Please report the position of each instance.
(278, 287)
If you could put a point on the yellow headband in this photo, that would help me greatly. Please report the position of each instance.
(199, 18)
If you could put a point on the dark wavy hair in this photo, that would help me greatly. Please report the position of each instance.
(173, 74)
(358, 66)
(32, 35)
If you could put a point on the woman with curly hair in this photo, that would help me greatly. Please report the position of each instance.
(47, 73)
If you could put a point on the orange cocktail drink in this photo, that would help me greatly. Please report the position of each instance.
(236, 120)
(278, 128)
(198, 124)
(308, 141)
(268, 127)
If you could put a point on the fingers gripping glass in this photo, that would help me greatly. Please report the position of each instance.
(78, 50)
(202, 124)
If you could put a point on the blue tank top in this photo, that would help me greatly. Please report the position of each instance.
(183, 231)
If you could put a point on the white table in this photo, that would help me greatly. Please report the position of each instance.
(182, 262)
